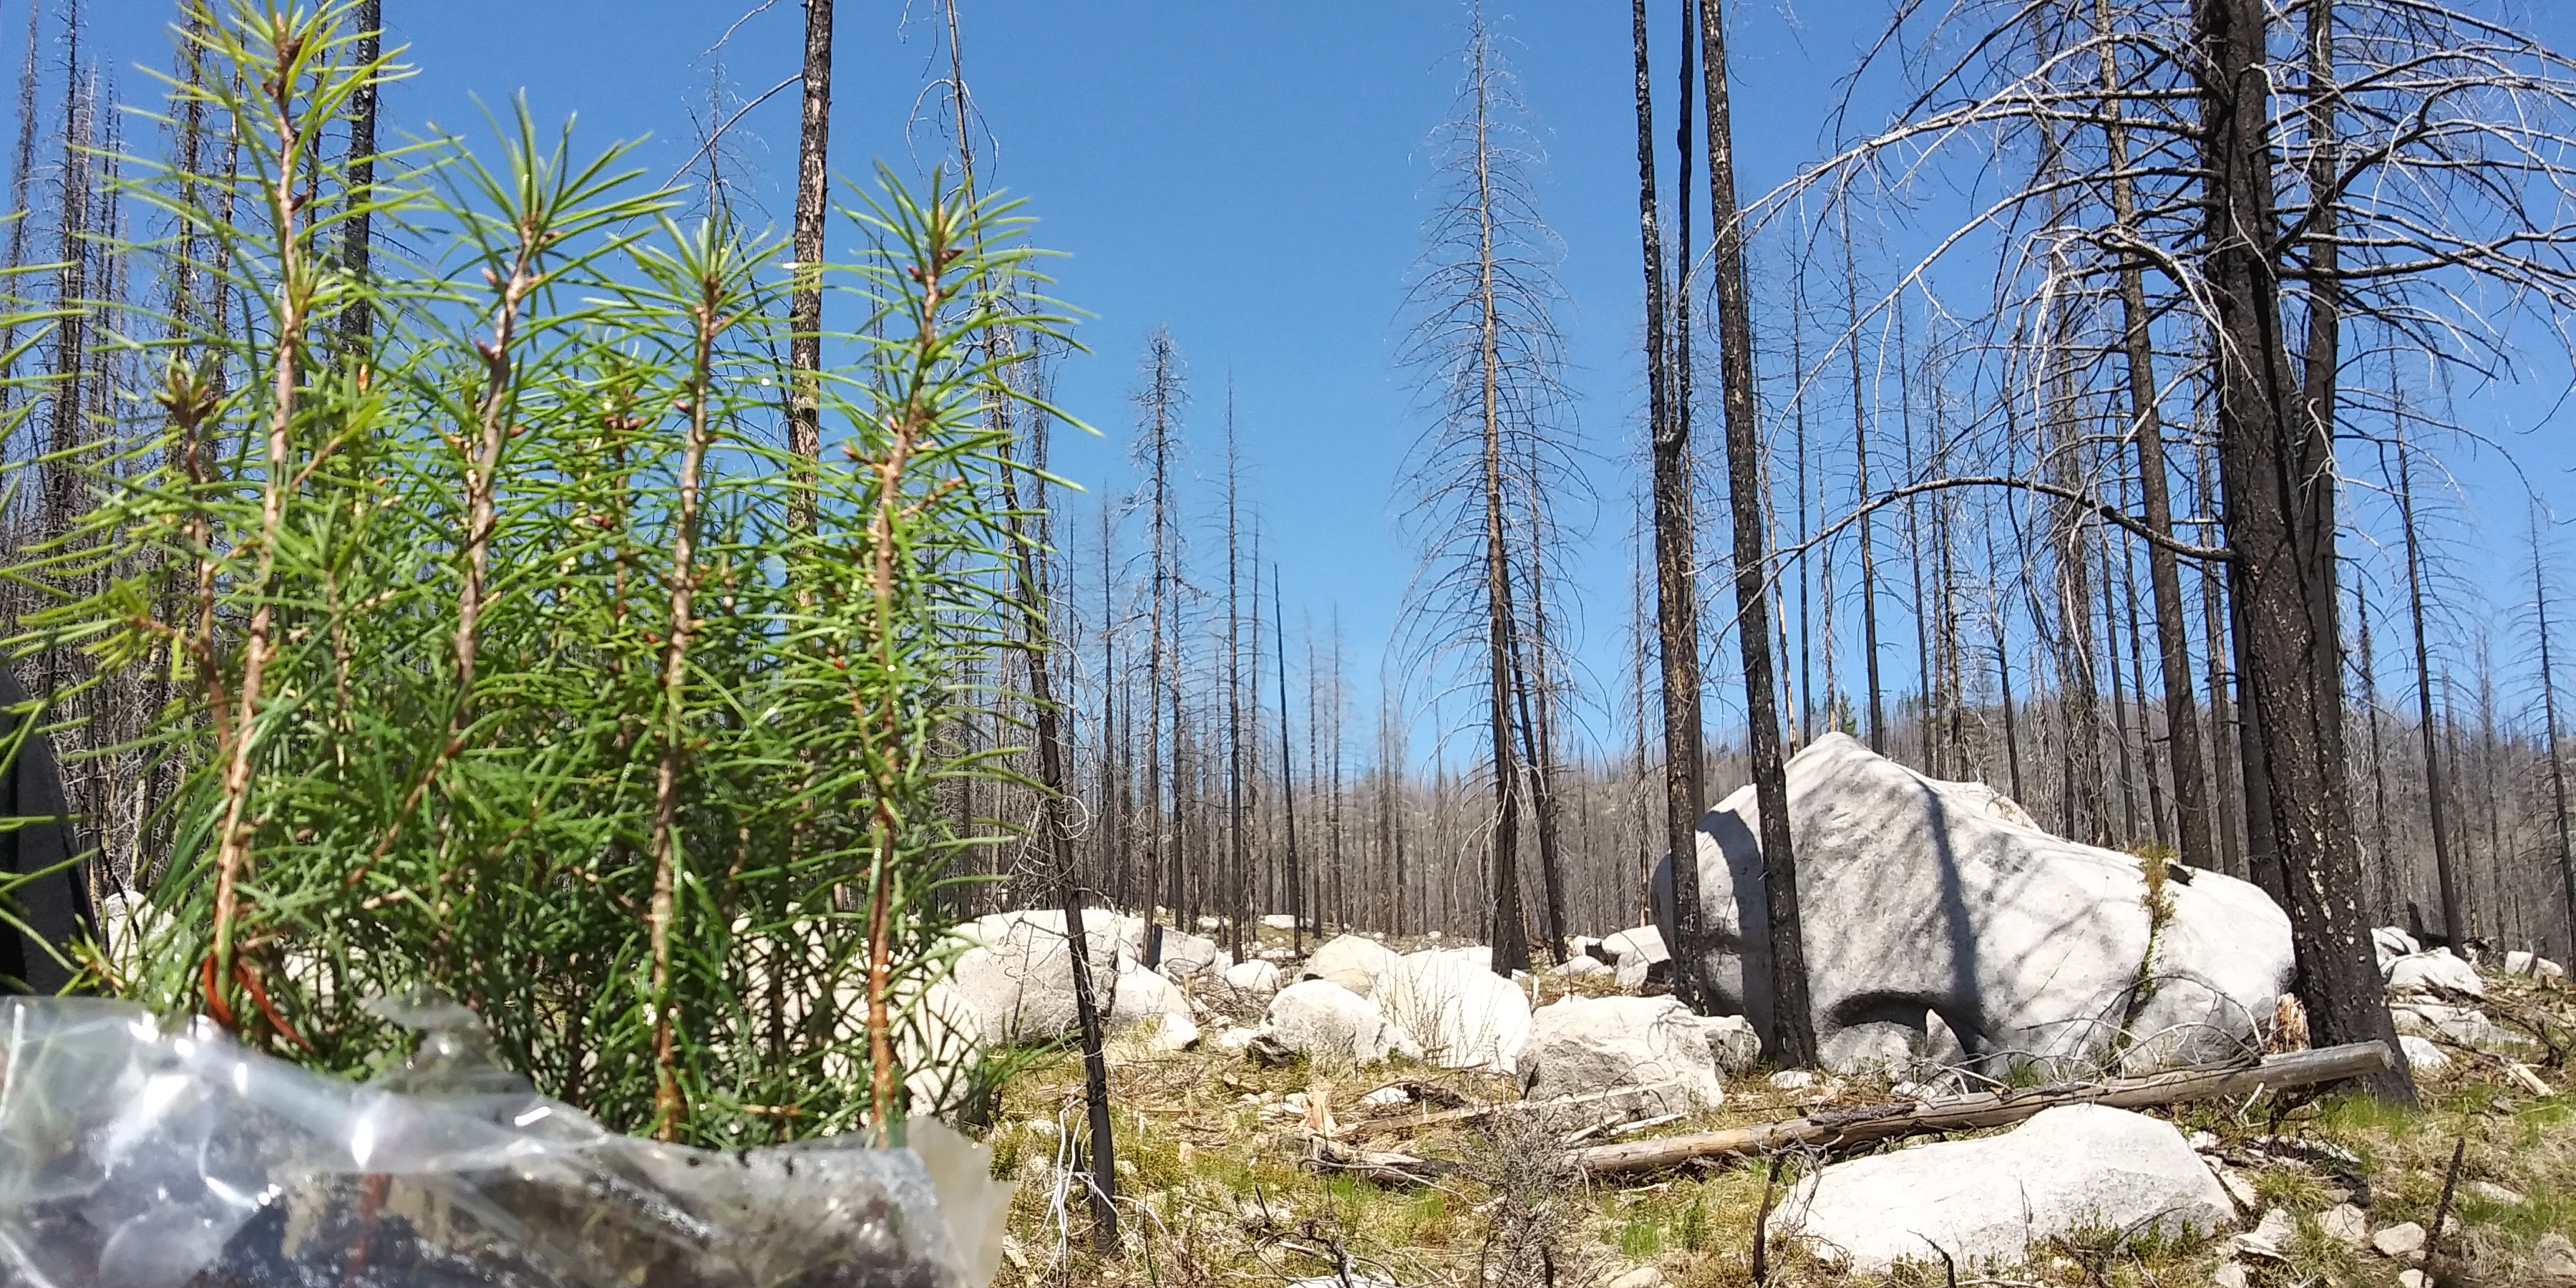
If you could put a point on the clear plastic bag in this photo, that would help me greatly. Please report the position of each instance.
(135, 1158)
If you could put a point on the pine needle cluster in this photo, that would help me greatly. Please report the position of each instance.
(508, 651)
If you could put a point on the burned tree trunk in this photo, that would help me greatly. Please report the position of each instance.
(2164, 576)
(805, 302)
(357, 244)
(1793, 1036)
(1676, 589)
(2549, 739)
(2278, 477)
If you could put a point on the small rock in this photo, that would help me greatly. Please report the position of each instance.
(1793, 1079)
(1732, 1041)
(2202, 1142)
(1583, 966)
(2269, 1239)
(1279, 921)
(1336, 1281)
(1641, 1277)
(2404, 1241)
(2555, 1257)
(2345, 1224)
(1386, 1098)
(1235, 1039)
(2237, 1187)
(2422, 1056)
(1174, 1032)
(2231, 1275)
(2411, 1277)
(2496, 1194)
(2392, 944)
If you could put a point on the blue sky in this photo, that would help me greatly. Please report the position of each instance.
(1254, 176)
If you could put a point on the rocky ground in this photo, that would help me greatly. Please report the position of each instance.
(1216, 1136)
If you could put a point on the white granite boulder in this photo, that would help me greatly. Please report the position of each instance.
(1461, 1013)
(2390, 943)
(1645, 943)
(1588, 1044)
(1924, 896)
(1188, 956)
(1330, 1024)
(2518, 962)
(1355, 962)
(2461, 1025)
(1014, 982)
(2432, 971)
(1144, 997)
(1987, 1201)
(1255, 977)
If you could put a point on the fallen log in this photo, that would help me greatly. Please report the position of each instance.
(1837, 1129)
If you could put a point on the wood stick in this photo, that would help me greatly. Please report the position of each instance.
(1990, 1109)
(1326, 1155)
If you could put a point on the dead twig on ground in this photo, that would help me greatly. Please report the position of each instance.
(1842, 1128)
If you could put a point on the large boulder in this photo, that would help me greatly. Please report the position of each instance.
(1111, 936)
(1924, 896)
(1457, 1009)
(1330, 1024)
(2518, 962)
(1014, 980)
(1588, 1044)
(1644, 943)
(2432, 972)
(1187, 956)
(2462, 1025)
(1253, 978)
(1987, 1201)
(1144, 997)
(1355, 962)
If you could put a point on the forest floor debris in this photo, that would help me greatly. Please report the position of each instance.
(1219, 1183)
